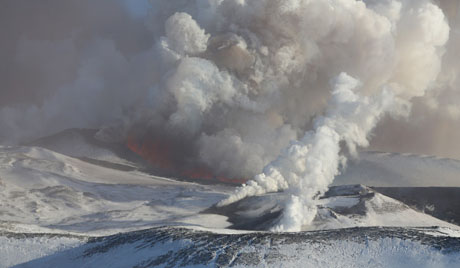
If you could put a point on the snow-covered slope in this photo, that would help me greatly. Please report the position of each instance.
(369, 168)
(46, 191)
(363, 206)
(42, 190)
(179, 247)
(440, 202)
(89, 144)
(57, 210)
(400, 170)
(341, 207)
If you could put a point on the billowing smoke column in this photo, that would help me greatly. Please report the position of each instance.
(307, 167)
(248, 77)
(230, 87)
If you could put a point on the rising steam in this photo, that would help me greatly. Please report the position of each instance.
(307, 167)
(232, 86)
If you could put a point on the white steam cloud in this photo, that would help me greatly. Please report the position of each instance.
(307, 167)
(413, 34)
(235, 84)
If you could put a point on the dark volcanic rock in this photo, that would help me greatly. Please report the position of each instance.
(263, 212)
(440, 202)
(179, 247)
(71, 141)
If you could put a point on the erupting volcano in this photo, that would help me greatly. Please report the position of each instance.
(229, 116)
(159, 153)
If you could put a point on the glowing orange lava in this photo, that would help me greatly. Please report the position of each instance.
(155, 153)
(159, 155)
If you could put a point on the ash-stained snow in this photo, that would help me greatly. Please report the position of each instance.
(43, 189)
(179, 247)
(400, 170)
(61, 211)
(341, 207)
(19, 248)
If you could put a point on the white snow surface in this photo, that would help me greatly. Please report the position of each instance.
(42, 191)
(75, 143)
(15, 251)
(400, 170)
(383, 252)
(380, 211)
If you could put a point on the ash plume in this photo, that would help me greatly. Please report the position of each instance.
(263, 89)
(307, 167)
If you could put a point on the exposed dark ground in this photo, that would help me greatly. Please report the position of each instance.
(55, 143)
(191, 247)
(440, 202)
(262, 212)
(59, 141)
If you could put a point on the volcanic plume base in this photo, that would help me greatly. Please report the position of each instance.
(174, 156)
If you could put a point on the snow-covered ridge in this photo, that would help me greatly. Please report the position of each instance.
(400, 170)
(440, 202)
(341, 207)
(369, 168)
(57, 210)
(88, 145)
(41, 190)
(44, 191)
(175, 247)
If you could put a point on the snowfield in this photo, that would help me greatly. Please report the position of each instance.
(61, 211)
(174, 247)
(400, 170)
(41, 191)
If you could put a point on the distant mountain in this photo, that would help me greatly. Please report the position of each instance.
(400, 170)
(85, 144)
(72, 200)
(440, 202)
(341, 207)
(378, 169)
(44, 191)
